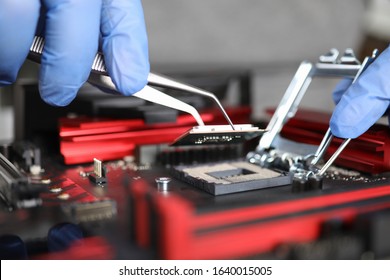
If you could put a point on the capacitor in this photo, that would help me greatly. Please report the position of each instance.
(12, 247)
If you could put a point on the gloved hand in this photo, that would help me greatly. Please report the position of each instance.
(72, 30)
(363, 102)
(340, 89)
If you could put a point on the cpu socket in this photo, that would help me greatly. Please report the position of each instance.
(231, 177)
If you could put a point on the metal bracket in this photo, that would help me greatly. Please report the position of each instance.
(329, 65)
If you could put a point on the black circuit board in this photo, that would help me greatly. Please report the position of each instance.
(106, 210)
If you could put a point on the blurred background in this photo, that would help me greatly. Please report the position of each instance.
(267, 38)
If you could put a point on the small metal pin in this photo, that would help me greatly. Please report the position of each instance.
(99, 172)
(162, 184)
(97, 167)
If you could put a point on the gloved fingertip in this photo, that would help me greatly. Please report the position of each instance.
(57, 96)
(343, 130)
(8, 78)
(128, 85)
(6, 82)
(340, 89)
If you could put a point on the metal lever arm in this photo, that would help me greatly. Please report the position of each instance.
(328, 136)
(288, 105)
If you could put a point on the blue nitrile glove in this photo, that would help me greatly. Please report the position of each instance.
(72, 29)
(364, 101)
(340, 89)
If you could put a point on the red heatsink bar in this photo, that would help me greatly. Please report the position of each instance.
(83, 138)
(369, 153)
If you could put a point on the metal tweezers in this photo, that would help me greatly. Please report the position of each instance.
(100, 77)
(325, 143)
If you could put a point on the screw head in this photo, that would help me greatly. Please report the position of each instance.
(162, 183)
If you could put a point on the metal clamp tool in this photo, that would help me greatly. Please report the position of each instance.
(329, 65)
(311, 177)
(220, 134)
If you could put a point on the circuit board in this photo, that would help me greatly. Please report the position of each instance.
(127, 216)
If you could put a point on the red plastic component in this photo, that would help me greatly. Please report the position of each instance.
(83, 138)
(74, 192)
(185, 233)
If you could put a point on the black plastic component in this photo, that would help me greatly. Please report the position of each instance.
(375, 229)
(306, 183)
(191, 155)
(298, 184)
(214, 137)
(12, 247)
(26, 154)
(13, 184)
(230, 177)
(332, 227)
(91, 211)
(341, 247)
(97, 179)
(314, 183)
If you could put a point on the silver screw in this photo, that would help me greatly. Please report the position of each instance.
(162, 183)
